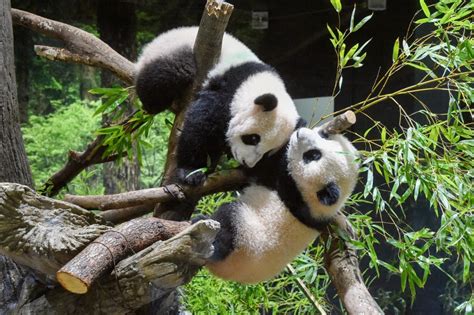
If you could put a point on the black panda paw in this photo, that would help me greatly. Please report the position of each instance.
(199, 217)
(191, 177)
(329, 195)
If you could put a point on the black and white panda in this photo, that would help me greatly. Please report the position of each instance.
(243, 107)
(296, 193)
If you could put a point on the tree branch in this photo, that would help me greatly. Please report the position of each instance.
(81, 46)
(218, 182)
(342, 265)
(113, 246)
(207, 49)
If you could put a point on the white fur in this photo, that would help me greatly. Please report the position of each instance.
(233, 52)
(268, 237)
(336, 165)
(274, 127)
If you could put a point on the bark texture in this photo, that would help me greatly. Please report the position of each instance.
(99, 256)
(13, 161)
(44, 233)
(342, 264)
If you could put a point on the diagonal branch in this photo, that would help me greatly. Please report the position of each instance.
(92, 51)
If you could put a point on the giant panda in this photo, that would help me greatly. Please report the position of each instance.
(295, 194)
(243, 107)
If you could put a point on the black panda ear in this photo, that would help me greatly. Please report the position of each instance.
(329, 194)
(268, 101)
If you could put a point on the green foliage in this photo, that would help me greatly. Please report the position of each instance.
(429, 157)
(49, 138)
(354, 56)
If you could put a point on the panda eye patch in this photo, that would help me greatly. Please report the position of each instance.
(252, 139)
(311, 155)
(323, 134)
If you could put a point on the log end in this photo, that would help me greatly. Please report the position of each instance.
(350, 117)
(72, 283)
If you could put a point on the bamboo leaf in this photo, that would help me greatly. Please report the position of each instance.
(362, 23)
(425, 9)
(396, 47)
(337, 5)
(351, 25)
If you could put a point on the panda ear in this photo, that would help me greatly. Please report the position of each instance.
(268, 101)
(329, 194)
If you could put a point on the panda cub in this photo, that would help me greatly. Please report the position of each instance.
(243, 107)
(296, 193)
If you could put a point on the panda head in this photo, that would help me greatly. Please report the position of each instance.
(263, 116)
(323, 168)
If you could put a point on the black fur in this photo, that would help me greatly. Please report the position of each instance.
(207, 120)
(163, 80)
(264, 174)
(268, 101)
(224, 242)
(329, 195)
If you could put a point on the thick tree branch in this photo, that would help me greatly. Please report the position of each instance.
(40, 232)
(148, 275)
(342, 263)
(113, 246)
(81, 46)
(44, 234)
(207, 49)
(218, 182)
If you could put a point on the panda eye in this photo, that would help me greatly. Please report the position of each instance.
(252, 139)
(323, 134)
(311, 155)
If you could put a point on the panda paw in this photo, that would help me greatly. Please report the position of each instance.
(329, 195)
(191, 177)
(199, 217)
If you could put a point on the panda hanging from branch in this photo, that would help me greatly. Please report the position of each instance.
(299, 177)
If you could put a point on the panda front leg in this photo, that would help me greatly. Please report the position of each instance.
(202, 138)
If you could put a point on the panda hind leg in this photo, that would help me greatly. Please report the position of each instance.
(224, 244)
(164, 80)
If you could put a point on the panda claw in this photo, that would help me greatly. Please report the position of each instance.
(194, 179)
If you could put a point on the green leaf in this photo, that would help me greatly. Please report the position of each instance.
(337, 5)
(362, 22)
(331, 32)
(406, 48)
(396, 47)
(425, 9)
(419, 66)
(351, 25)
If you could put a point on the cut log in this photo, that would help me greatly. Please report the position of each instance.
(113, 246)
(339, 123)
(149, 275)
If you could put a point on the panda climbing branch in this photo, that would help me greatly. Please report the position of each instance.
(82, 47)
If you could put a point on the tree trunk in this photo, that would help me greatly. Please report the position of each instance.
(23, 61)
(116, 23)
(15, 281)
(13, 162)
